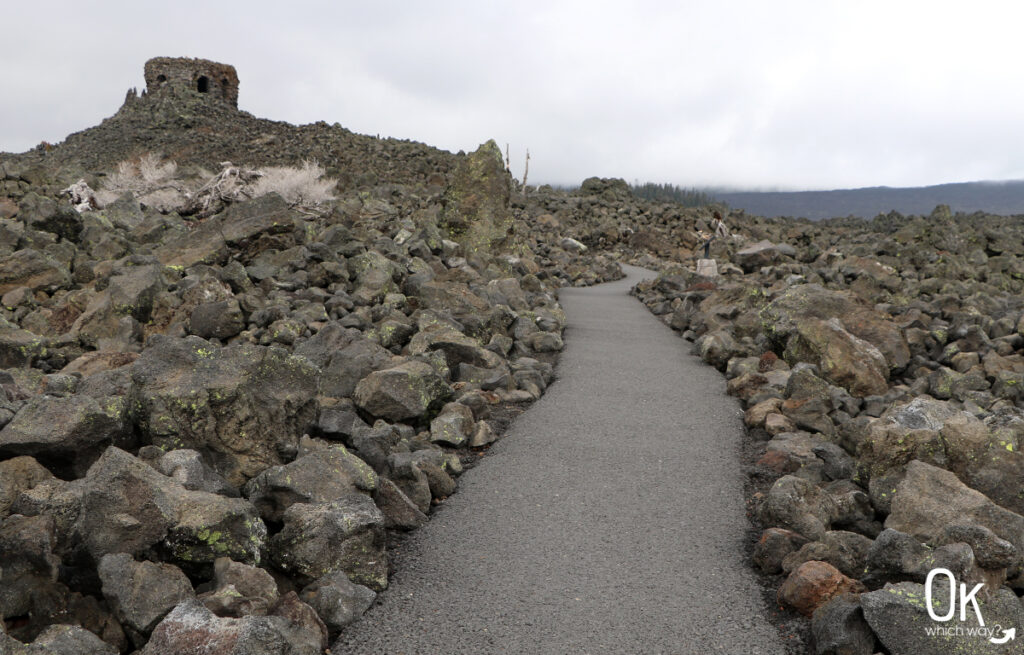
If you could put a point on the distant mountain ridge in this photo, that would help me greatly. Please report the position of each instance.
(1003, 198)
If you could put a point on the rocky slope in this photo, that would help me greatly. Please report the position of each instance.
(881, 365)
(193, 131)
(210, 426)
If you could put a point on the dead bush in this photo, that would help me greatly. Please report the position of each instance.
(151, 180)
(156, 183)
(305, 186)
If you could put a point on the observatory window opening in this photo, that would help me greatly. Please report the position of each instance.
(203, 84)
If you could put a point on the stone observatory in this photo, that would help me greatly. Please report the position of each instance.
(178, 75)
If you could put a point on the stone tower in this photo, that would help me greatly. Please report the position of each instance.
(178, 75)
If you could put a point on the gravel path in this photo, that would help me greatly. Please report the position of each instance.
(610, 519)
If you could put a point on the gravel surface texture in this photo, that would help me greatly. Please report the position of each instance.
(610, 519)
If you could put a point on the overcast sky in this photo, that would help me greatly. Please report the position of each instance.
(782, 94)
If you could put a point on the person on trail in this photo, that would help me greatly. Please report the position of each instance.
(705, 239)
(720, 232)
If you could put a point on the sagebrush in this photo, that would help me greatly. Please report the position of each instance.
(151, 180)
(156, 183)
(305, 186)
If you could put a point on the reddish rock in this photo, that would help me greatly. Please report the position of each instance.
(779, 462)
(813, 584)
(767, 362)
(191, 629)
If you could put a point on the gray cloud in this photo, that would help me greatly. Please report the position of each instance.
(794, 94)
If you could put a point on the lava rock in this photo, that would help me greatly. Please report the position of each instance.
(774, 545)
(929, 499)
(242, 406)
(72, 429)
(141, 593)
(812, 584)
(128, 507)
(321, 476)
(839, 628)
(454, 426)
(343, 535)
(191, 629)
(898, 616)
(337, 600)
(403, 392)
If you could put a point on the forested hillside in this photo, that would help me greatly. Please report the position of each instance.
(1004, 198)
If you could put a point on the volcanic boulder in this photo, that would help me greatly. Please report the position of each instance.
(128, 507)
(191, 629)
(476, 211)
(403, 392)
(141, 593)
(243, 407)
(342, 535)
(794, 306)
(323, 475)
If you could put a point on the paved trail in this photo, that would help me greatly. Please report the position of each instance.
(609, 520)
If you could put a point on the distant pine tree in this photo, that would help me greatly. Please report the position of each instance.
(671, 193)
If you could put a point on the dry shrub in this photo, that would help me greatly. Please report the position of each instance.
(305, 186)
(154, 183)
(142, 176)
(151, 180)
(231, 184)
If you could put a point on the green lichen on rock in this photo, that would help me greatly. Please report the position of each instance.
(19, 347)
(210, 526)
(476, 211)
(403, 392)
(343, 535)
(241, 404)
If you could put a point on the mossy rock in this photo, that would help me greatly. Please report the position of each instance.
(477, 212)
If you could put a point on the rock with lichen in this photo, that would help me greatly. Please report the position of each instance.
(343, 535)
(128, 507)
(476, 211)
(403, 392)
(244, 406)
